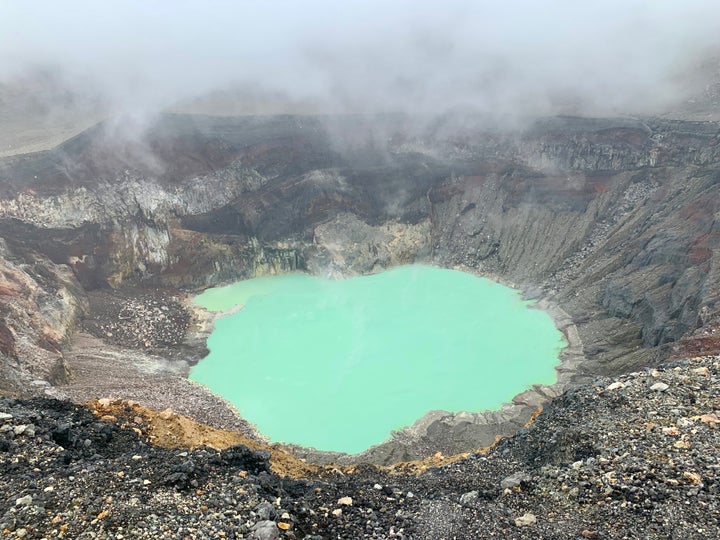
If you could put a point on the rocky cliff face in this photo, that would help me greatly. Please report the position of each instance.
(613, 219)
(40, 303)
(618, 225)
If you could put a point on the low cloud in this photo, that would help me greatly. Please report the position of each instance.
(511, 57)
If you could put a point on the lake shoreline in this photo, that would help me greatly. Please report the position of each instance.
(479, 428)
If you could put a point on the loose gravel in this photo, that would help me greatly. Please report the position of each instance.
(631, 457)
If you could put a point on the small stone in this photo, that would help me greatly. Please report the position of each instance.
(24, 501)
(19, 430)
(525, 520)
(265, 530)
(167, 414)
(515, 479)
(692, 477)
(21, 533)
(469, 497)
(659, 387)
(136, 457)
(49, 489)
(654, 373)
(616, 386)
(284, 526)
(587, 533)
(104, 402)
(108, 418)
(146, 482)
(377, 486)
(702, 371)
(711, 419)
(265, 511)
(337, 512)
(672, 431)
(345, 501)
(5, 416)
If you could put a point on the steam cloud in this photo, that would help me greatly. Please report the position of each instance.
(522, 57)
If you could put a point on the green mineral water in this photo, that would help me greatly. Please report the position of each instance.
(339, 364)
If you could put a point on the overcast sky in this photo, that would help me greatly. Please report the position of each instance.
(414, 55)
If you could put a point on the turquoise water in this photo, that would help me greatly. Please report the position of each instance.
(338, 365)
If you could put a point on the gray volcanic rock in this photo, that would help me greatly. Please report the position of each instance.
(156, 321)
(348, 246)
(40, 304)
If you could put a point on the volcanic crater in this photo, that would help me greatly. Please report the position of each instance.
(610, 223)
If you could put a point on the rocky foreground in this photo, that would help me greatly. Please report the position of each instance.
(632, 457)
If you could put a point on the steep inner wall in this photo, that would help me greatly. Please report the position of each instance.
(614, 220)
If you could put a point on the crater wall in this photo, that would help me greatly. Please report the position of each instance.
(613, 220)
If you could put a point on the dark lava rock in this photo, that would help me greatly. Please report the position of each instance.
(252, 461)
